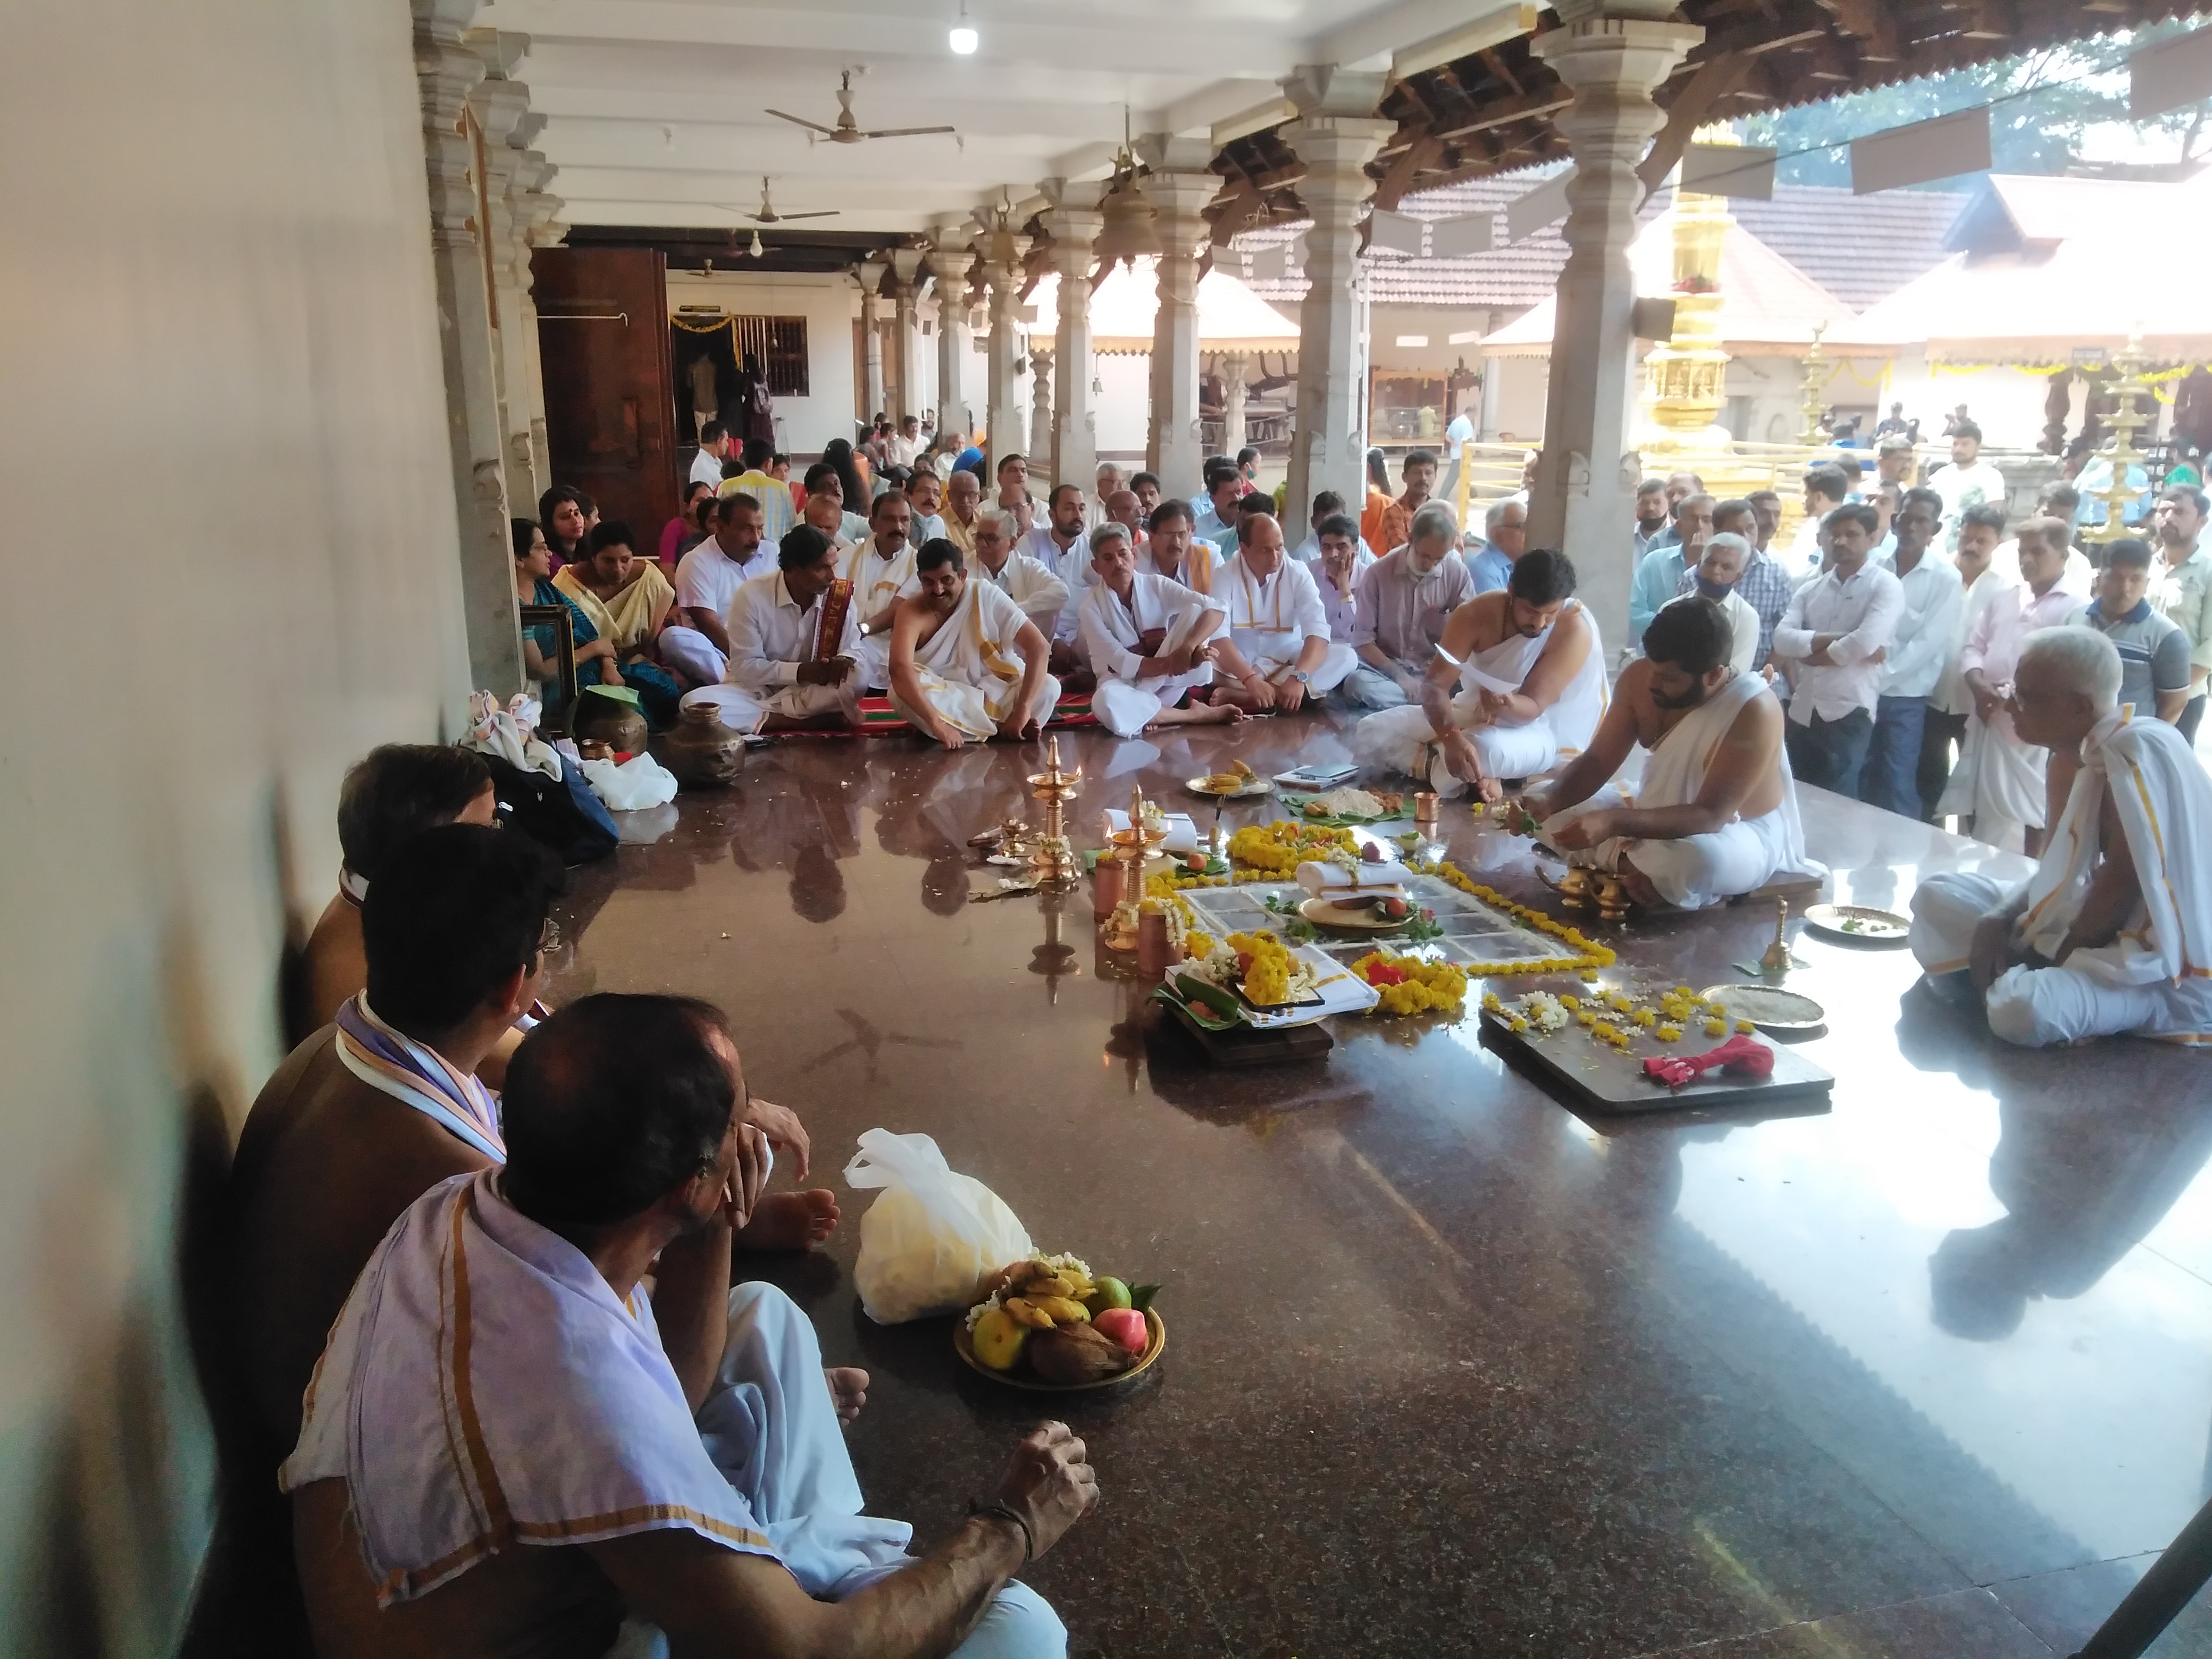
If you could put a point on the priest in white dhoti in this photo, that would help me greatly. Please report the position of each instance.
(1278, 652)
(1715, 813)
(1999, 779)
(794, 645)
(881, 570)
(1148, 640)
(1529, 673)
(1037, 589)
(966, 664)
(2112, 933)
(511, 1446)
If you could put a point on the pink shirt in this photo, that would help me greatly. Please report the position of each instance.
(2000, 631)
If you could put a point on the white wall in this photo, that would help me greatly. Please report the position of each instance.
(231, 563)
(2006, 402)
(830, 304)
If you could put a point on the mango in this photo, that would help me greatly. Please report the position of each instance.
(998, 1340)
(1109, 1292)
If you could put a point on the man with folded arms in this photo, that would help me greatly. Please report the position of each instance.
(1832, 635)
(2109, 935)
(1714, 815)
(966, 664)
(1914, 659)
(511, 1447)
(1404, 600)
(1148, 640)
(794, 645)
(1278, 652)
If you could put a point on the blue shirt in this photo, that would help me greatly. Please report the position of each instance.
(1658, 577)
(1491, 570)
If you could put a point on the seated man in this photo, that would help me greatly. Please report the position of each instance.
(1172, 551)
(759, 480)
(794, 645)
(955, 644)
(1718, 572)
(881, 571)
(1042, 595)
(1406, 598)
(1504, 539)
(1122, 508)
(1715, 814)
(1530, 671)
(963, 492)
(707, 579)
(388, 795)
(925, 494)
(1277, 651)
(2098, 941)
(1060, 545)
(1148, 640)
(1337, 575)
(1327, 504)
(511, 1445)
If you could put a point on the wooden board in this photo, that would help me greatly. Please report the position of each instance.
(610, 383)
(1592, 1075)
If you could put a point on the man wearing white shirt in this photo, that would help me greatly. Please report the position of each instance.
(1967, 480)
(1826, 488)
(1014, 491)
(1916, 656)
(1328, 505)
(2056, 500)
(1718, 574)
(784, 675)
(1832, 635)
(707, 580)
(1984, 580)
(1148, 642)
(882, 571)
(907, 443)
(1172, 551)
(1278, 650)
(1406, 598)
(1042, 595)
(1059, 546)
(1337, 578)
(714, 450)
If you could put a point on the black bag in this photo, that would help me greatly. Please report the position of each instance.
(562, 813)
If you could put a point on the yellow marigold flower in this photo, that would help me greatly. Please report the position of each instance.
(1570, 1003)
(1642, 1017)
(1716, 1028)
(1516, 1024)
(1668, 1034)
(1746, 1027)
(1586, 1017)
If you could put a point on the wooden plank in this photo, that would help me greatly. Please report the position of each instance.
(1687, 110)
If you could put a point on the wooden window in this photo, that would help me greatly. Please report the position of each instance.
(780, 344)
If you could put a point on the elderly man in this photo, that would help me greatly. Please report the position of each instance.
(967, 665)
(1122, 508)
(1148, 640)
(1504, 539)
(513, 1447)
(795, 646)
(1418, 470)
(1999, 781)
(1715, 581)
(1108, 479)
(1278, 652)
(2154, 651)
(1529, 671)
(964, 491)
(1405, 600)
(1837, 627)
(1659, 575)
(1714, 815)
(1172, 551)
(1043, 596)
(1913, 661)
(2107, 936)
(881, 570)
(1764, 585)
(2181, 587)
(707, 579)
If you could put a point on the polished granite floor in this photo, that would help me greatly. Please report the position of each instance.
(1452, 1371)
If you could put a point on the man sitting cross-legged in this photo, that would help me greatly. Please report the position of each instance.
(1715, 814)
(388, 795)
(1042, 595)
(510, 1445)
(1406, 598)
(707, 580)
(2110, 935)
(794, 645)
(1531, 676)
(1147, 639)
(1278, 652)
(966, 664)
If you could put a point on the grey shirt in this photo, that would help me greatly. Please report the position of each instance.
(2154, 652)
(1404, 612)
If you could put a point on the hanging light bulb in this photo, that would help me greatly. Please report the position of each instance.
(756, 250)
(964, 39)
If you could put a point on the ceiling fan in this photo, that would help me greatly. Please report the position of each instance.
(769, 216)
(847, 130)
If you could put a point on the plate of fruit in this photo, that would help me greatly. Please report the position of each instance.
(1238, 779)
(1049, 1325)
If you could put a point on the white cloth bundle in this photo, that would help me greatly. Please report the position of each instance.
(510, 732)
(1183, 833)
(639, 782)
(1387, 879)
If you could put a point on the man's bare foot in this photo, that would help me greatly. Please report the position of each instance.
(1198, 714)
(848, 1387)
(790, 1221)
(1640, 887)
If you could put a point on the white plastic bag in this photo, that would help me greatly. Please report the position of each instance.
(931, 1236)
(639, 782)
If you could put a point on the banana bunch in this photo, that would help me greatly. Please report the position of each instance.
(1042, 1300)
(1235, 778)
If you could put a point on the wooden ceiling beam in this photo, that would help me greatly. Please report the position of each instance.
(1688, 110)
(1420, 156)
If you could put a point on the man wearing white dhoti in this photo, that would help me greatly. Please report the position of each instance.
(1999, 779)
(1040, 592)
(1147, 639)
(1715, 813)
(881, 570)
(1530, 673)
(966, 664)
(510, 1447)
(794, 645)
(1278, 652)
(2113, 932)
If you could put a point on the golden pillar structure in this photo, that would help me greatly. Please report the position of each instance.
(2128, 417)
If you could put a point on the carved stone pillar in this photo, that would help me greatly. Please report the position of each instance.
(445, 73)
(533, 227)
(1040, 382)
(1004, 419)
(949, 262)
(1585, 493)
(1234, 368)
(1336, 135)
(1181, 186)
(1074, 229)
(870, 274)
(906, 270)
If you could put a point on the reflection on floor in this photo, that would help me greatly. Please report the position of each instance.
(1452, 1371)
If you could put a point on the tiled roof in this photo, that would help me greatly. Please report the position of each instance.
(1857, 247)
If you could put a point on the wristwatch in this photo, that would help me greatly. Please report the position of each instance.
(1303, 677)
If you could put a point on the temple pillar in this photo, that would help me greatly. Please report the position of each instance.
(906, 334)
(446, 72)
(1040, 427)
(1073, 230)
(1584, 498)
(870, 274)
(1003, 418)
(499, 106)
(1234, 368)
(1336, 134)
(949, 262)
(1181, 186)
(534, 227)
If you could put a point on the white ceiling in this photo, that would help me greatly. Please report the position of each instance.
(655, 107)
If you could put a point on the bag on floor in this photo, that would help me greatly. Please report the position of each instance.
(561, 812)
(931, 1235)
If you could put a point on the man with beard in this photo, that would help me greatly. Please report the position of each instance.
(1715, 814)
(967, 665)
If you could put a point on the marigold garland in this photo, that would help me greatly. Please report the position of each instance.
(1409, 985)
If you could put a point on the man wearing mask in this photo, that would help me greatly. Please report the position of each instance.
(1915, 658)
(1719, 573)
(1764, 585)
(1659, 576)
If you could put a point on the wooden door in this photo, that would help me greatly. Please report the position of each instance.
(609, 381)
